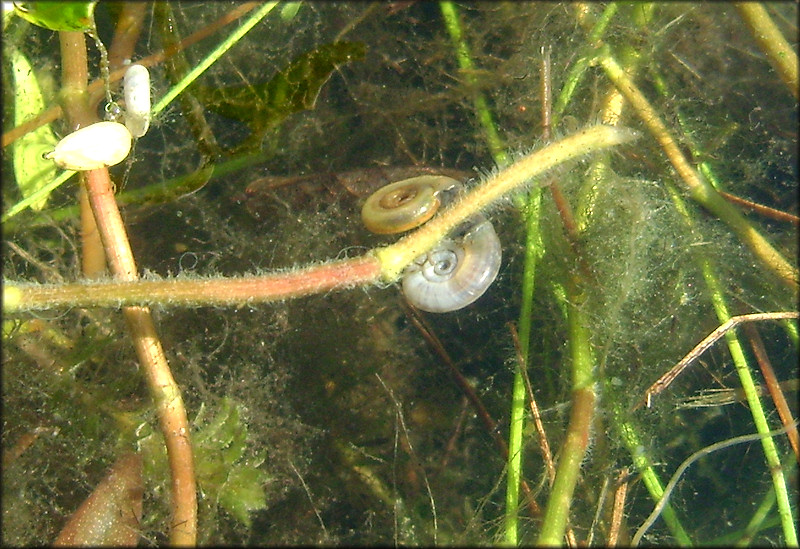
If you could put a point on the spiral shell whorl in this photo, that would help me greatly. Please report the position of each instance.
(405, 204)
(455, 273)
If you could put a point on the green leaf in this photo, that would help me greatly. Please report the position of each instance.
(295, 88)
(244, 492)
(58, 16)
(289, 10)
(31, 170)
(225, 480)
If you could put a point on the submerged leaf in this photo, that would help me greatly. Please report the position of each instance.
(244, 492)
(224, 479)
(58, 16)
(31, 170)
(219, 445)
(292, 90)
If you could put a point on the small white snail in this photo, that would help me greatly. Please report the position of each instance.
(456, 272)
(405, 204)
(136, 85)
(95, 146)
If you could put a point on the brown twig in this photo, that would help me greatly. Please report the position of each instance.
(760, 209)
(488, 422)
(544, 445)
(618, 512)
(664, 381)
(774, 387)
(547, 93)
(126, 33)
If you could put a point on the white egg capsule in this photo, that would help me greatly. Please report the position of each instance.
(95, 146)
(456, 272)
(136, 86)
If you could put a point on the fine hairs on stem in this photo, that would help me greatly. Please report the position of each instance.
(384, 263)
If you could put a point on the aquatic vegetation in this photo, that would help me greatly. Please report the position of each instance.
(617, 377)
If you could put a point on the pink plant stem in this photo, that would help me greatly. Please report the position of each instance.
(163, 388)
(335, 275)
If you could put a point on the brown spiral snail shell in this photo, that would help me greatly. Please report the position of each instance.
(403, 205)
(460, 268)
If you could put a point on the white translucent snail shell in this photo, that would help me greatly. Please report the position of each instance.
(136, 86)
(92, 147)
(456, 272)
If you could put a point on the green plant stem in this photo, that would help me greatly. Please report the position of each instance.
(176, 67)
(746, 379)
(578, 431)
(699, 189)
(780, 54)
(758, 519)
(629, 433)
(497, 149)
(578, 69)
(685, 465)
(156, 193)
(533, 249)
(95, 88)
(41, 193)
(212, 58)
(453, 26)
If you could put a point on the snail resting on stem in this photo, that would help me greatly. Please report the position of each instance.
(460, 268)
(456, 272)
(403, 205)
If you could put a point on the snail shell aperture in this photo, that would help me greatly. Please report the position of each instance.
(456, 272)
(405, 204)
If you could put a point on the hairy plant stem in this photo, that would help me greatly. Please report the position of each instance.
(384, 263)
(394, 258)
(165, 392)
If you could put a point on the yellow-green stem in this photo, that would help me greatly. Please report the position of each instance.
(701, 191)
(395, 257)
(578, 432)
(748, 384)
(778, 51)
